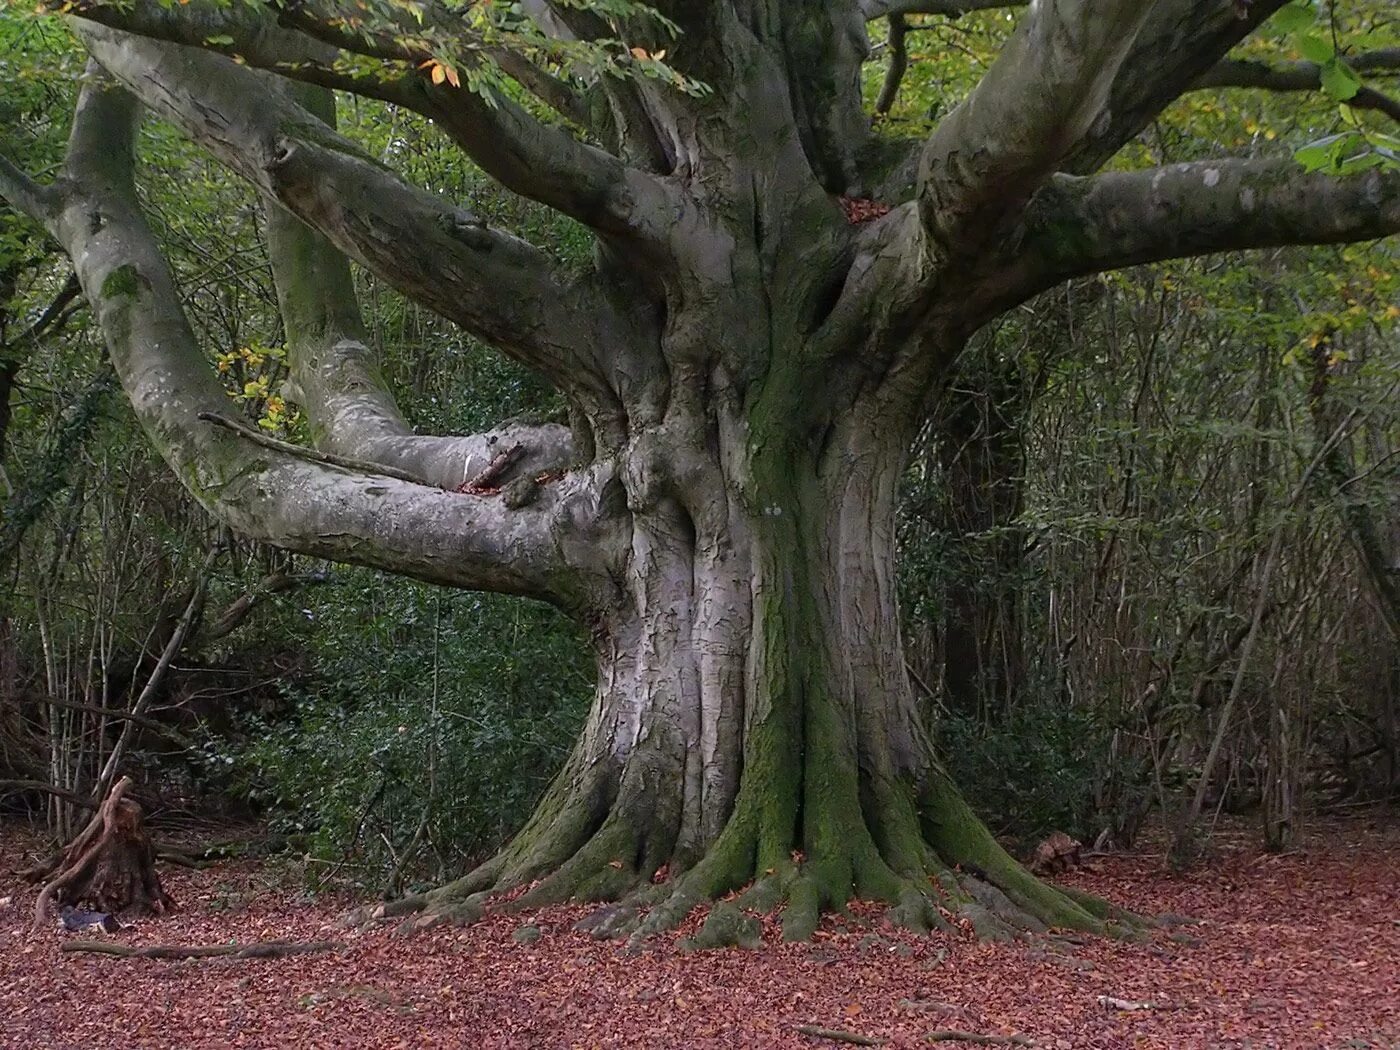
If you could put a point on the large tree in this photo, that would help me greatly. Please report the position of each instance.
(746, 362)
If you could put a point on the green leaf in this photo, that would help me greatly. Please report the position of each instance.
(1340, 81)
(219, 40)
(1294, 18)
(1360, 162)
(1324, 153)
(1316, 48)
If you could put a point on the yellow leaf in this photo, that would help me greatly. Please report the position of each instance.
(639, 53)
(452, 76)
(439, 74)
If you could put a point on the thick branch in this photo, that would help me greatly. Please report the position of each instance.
(350, 407)
(282, 499)
(1041, 95)
(1085, 225)
(24, 194)
(494, 285)
(525, 155)
(899, 63)
(1179, 42)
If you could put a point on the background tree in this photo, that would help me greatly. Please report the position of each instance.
(744, 366)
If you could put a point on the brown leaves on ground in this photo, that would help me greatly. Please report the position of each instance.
(1298, 950)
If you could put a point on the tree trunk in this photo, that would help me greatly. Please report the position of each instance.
(753, 724)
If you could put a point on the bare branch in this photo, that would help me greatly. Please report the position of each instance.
(243, 606)
(1085, 225)
(899, 63)
(336, 376)
(1304, 76)
(26, 195)
(1041, 95)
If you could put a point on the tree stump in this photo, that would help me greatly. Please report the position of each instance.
(110, 866)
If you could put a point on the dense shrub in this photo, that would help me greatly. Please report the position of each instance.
(429, 726)
(1038, 769)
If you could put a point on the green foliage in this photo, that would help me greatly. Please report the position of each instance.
(426, 729)
(1358, 146)
(1039, 770)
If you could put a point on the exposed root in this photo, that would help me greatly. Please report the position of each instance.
(948, 867)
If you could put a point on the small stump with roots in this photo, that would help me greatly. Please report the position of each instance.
(110, 865)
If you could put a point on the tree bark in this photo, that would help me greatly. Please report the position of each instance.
(753, 724)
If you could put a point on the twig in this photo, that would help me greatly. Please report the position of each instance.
(193, 608)
(262, 950)
(6, 786)
(488, 482)
(949, 1035)
(838, 1036)
(1109, 1002)
(183, 860)
(362, 466)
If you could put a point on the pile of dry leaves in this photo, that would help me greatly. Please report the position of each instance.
(1295, 950)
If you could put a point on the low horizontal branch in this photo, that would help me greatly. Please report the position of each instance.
(115, 714)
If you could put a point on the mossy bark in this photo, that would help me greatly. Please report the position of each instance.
(753, 728)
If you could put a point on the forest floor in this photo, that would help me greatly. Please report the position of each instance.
(1295, 950)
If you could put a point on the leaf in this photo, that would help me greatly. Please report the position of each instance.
(1340, 81)
(1358, 163)
(439, 74)
(1323, 153)
(1293, 18)
(1316, 48)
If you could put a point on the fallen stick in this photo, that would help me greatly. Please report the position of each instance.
(949, 1035)
(838, 1036)
(264, 950)
(1111, 1003)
